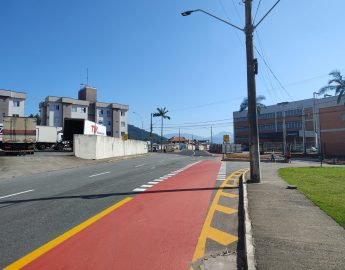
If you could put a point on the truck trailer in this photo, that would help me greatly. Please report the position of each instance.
(79, 126)
(19, 135)
(48, 137)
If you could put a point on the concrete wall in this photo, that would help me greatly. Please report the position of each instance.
(99, 147)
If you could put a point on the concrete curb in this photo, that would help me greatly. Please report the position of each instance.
(248, 234)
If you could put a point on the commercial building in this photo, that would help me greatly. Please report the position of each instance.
(298, 125)
(112, 115)
(11, 103)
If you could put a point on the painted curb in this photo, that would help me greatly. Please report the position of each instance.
(248, 234)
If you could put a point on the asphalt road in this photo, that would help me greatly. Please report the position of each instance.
(36, 209)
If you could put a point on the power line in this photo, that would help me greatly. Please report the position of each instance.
(268, 12)
(257, 9)
(275, 77)
(226, 15)
(206, 104)
(203, 122)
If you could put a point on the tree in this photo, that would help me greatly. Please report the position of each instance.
(162, 112)
(259, 105)
(336, 84)
(38, 118)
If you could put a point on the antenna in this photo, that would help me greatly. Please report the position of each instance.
(87, 76)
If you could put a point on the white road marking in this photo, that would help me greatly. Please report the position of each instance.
(98, 174)
(14, 194)
(147, 186)
(140, 165)
(152, 183)
(139, 189)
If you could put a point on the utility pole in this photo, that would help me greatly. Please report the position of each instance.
(255, 174)
(211, 135)
(179, 139)
(284, 134)
(151, 127)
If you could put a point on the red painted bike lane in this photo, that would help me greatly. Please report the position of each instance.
(157, 230)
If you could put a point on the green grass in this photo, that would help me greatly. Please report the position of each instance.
(324, 186)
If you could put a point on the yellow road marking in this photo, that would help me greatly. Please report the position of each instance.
(229, 195)
(227, 185)
(226, 210)
(207, 230)
(221, 237)
(53, 243)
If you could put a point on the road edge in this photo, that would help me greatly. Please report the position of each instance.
(248, 233)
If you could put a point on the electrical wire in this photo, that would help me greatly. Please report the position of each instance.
(256, 12)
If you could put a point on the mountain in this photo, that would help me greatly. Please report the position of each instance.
(216, 138)
(135, 133)
(186, 135)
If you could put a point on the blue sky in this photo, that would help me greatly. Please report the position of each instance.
(146, 55)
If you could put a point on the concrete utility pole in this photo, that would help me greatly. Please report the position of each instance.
(255, 174)
(211, 135)
(151, 127)
(179, 139)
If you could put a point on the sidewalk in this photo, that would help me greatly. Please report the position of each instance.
(290, 231)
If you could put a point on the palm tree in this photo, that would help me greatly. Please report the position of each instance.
(162, 112)
(336, 84)
(259, 105)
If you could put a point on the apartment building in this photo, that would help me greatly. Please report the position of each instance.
(11, 103)
(300, 124)
(112, 115)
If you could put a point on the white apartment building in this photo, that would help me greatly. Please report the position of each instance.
(12, 103)
(112, 115)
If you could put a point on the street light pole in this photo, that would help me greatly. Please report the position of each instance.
(255, 174)
(151, 127)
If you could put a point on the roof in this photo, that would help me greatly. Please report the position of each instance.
(177, 139)
(13, 94)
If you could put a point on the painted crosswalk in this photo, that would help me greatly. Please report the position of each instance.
(151, 183)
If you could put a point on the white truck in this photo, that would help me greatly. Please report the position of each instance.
(48, 137)
(79, 126)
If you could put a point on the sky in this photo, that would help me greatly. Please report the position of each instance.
(146, 55)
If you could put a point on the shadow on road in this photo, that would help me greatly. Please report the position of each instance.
(105, 195)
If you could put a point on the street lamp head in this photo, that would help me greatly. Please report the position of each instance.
(187, 13)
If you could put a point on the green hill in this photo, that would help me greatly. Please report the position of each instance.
(135, 133)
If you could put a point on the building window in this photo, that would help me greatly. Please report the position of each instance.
(266, 116)
(240, 119)
(57, 107)
(343, 116)
(100, 122)
(74, 108)
(83, 109)
(101, 112)
(123, 133)
(15, 115)
(123, 124)
(109, 123)
(16, 103)
(108, 113)
(123, 113)
(108, 133)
